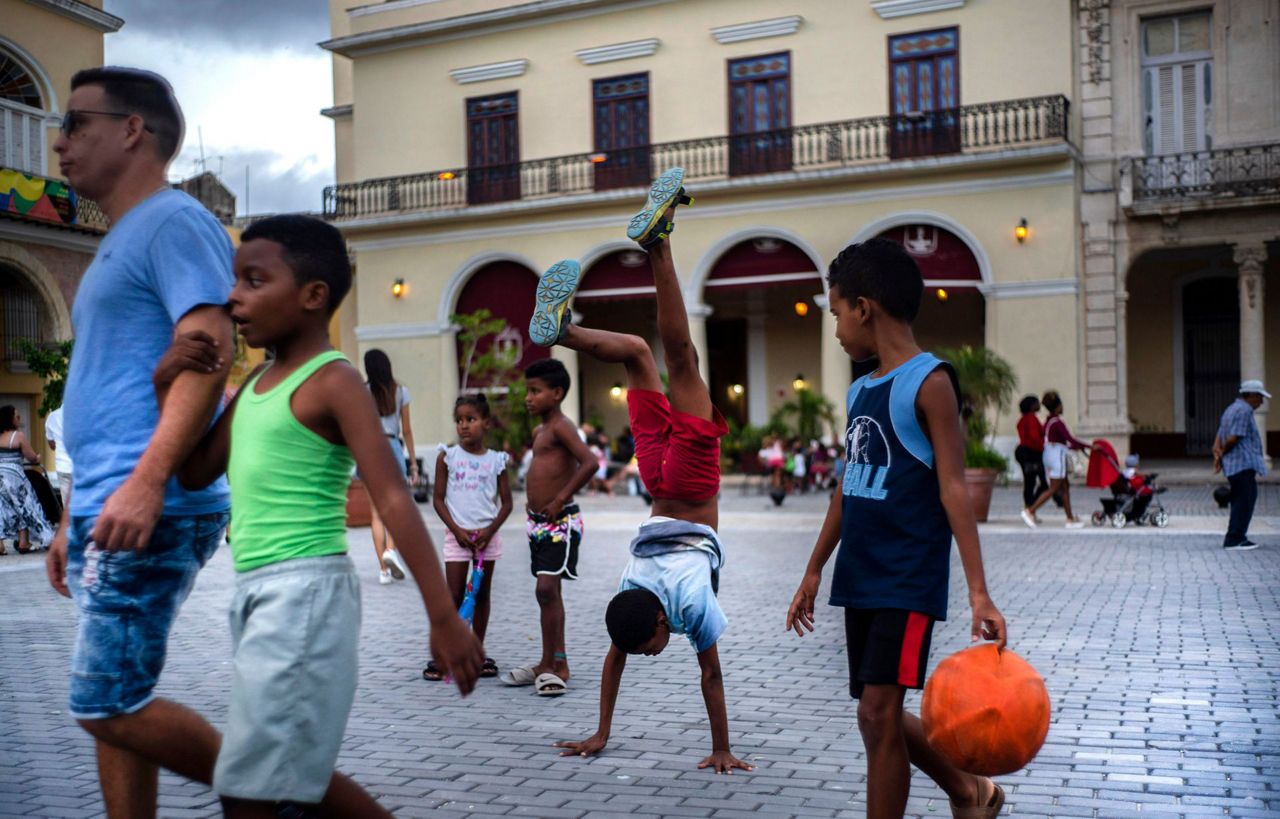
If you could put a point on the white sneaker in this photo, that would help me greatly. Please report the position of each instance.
(1029, 518)
(384, 577)
(1074, 524)
(391, 561)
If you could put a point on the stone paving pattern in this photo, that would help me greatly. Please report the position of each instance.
(1160, 653)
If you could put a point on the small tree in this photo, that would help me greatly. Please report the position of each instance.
(48, 361)
(809, 414)
(492, 370)
(987, 384)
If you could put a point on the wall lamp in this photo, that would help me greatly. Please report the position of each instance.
(1021, 231)
(398, 288)
(798, 383)
(802, 309)
(736, 390)
(615, 391)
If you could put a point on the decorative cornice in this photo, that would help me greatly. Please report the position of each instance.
(508, 18)
(888, 9)
(617, 51)
(67, 237)
(394, 332)
(738, 32)
(387, 5)
(82, 13)
(489, 71)
(1026, 290)
(337, 111)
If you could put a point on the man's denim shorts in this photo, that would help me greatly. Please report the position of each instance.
(128, 601)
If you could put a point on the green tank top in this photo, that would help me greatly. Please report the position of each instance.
(288, 485)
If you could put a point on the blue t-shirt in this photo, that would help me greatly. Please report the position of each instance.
(164, 257)
(682, 582)
(895, 540)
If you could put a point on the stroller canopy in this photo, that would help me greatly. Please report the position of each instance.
(1104, 468)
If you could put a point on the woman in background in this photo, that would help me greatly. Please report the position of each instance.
(21, 517)
(393, 405)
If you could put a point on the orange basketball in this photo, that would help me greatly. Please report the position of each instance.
(986, 710)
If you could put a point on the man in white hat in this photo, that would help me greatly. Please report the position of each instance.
(1237, 452)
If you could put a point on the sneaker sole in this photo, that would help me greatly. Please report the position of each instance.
(555, 291)
(662, 193)
(1248, 548)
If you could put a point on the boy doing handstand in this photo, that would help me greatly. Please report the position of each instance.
(287, 443)
(670, 582)
(903, 498)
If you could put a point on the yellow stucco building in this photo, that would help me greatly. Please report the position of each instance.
(480, 142)
(47, 235)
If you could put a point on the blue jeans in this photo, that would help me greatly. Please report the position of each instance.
(1244, 495)
(128, 601)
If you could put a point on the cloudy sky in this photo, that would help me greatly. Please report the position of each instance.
(251, 80)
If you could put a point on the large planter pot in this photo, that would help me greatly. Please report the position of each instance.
(980, 483)
(359, 513)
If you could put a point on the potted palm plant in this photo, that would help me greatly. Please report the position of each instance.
(987, 385)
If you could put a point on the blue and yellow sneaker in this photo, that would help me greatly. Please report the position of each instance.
(551, 314)
(650, 225)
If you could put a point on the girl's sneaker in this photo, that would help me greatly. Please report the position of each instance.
(650, 225)
(551, 314)
(1029, 519)
(384, 577)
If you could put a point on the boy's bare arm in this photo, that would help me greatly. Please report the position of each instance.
(567, 436)
(937, 402)
(800, 615)
(351, 405)
(721, 758)
(615, 662)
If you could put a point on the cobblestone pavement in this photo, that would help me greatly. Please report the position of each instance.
(1160, 654)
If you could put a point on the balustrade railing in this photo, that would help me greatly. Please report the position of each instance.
(983, 127)
(1251, 170)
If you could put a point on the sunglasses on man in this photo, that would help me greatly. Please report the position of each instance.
(72, 119)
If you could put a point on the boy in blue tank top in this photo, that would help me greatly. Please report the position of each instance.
(287, 442)
(902, 500)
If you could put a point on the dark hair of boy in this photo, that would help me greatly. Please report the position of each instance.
(551, 372)
(314, 250)
(1027, 404)
(475, 400)
(882, 271)
(144, 93)
(632, 618)
(7, 414)
(377, 366)
(1051, 401)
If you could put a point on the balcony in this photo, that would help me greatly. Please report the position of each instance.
(37, 199)
(1202, 180)
(870, 143)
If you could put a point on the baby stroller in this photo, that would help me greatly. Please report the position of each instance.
(1135, 499)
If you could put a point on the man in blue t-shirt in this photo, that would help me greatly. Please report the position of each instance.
(902, 499)
(1237, 453)
(131, 540)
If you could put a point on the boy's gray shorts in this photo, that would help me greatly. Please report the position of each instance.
(295, 630)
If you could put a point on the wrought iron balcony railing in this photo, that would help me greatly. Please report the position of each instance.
(970, 129)
(1222, 173)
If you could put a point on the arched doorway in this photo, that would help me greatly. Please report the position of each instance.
(616, 294)
(506, 289)
(1182, 343)
(25, 316)
(764, 334)
(953, 310)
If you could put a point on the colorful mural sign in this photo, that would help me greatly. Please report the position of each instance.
(35, 197)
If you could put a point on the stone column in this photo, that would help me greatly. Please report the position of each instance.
(569, 358)
(757, 370)
(1249, 259)
(836, 369)
(698, 313)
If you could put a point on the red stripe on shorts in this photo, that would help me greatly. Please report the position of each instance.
(909, 661)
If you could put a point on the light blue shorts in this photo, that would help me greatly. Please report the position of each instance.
(295, 629)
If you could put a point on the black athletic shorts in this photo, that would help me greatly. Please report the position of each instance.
(887, 647)
(553, 544)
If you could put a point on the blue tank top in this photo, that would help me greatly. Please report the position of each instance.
(895, 540)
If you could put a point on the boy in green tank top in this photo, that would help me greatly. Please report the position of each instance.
(287, 443)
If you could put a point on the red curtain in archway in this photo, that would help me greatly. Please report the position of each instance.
(942, 255)
(505, 289)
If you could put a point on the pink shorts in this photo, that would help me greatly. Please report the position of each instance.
(453, 553)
